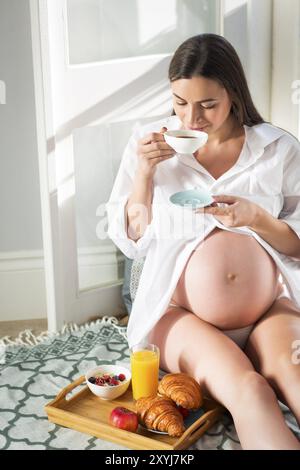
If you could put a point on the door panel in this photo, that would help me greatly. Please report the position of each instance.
(101, 30)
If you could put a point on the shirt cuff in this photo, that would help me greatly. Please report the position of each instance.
(118, 234)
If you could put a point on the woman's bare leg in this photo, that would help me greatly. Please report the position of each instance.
(271, 349)
(189, 344)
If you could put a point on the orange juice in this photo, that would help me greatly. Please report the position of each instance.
(144, 372)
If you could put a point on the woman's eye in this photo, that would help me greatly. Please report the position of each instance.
(204, 107)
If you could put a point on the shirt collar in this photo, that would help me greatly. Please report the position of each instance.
(257, 138)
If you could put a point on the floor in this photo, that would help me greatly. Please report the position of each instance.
(13, 328)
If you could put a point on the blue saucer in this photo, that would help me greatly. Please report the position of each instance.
(192, 198)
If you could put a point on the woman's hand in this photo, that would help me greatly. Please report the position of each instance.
(238, 213)
(152, 150)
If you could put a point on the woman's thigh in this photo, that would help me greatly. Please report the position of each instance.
(189, 344)
(272, 342)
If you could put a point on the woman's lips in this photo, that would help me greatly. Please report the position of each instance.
(197, 128)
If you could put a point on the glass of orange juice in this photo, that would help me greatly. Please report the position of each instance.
(144, 360)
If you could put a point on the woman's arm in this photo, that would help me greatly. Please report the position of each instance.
(139, 206)
(241, 212)
(277, 233)
(283, 233)
(129, 209)
(151, 150)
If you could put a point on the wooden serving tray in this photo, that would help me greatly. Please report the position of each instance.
(88, 413)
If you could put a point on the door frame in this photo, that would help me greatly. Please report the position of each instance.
(44, 127)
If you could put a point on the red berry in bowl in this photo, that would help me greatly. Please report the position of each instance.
(108, 380)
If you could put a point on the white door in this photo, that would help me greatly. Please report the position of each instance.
(100, 66)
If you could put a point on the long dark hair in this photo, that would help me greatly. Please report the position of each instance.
(212, 56)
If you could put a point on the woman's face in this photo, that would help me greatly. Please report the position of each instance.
(201, 104)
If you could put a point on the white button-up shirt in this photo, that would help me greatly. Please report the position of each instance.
(267, 172)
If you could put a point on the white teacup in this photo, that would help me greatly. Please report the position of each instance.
(186, 141)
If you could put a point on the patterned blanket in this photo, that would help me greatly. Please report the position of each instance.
(31, 376)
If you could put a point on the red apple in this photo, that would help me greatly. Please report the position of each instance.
(124, 419)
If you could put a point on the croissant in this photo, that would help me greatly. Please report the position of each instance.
(160, 414)
(182, 389)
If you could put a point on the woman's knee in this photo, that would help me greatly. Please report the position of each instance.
(252, 387)
(283, 365)
(282, 374)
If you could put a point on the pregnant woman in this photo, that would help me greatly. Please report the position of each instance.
(212, 299)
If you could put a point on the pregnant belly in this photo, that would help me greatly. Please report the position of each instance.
(229, 281)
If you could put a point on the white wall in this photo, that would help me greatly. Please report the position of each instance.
(19, 186)
(235, 28)
(286, 66)
(266, 35)
(248, 27)
(22, 291)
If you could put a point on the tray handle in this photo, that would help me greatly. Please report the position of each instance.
(198, 428)
(62, 394)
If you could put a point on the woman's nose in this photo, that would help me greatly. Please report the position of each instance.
(193, 116)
